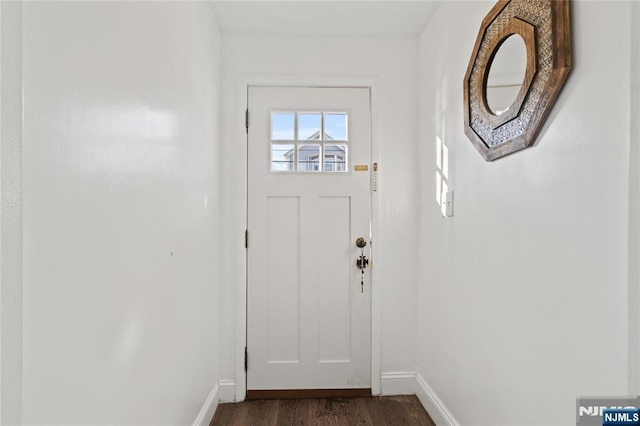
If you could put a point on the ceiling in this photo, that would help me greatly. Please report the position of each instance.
(325, 18)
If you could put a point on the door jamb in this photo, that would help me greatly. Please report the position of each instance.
(244, 82)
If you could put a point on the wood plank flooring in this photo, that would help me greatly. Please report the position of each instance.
(377, 411)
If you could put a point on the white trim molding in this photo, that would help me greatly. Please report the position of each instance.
(434, 406)
(398, 383)
(227, 390)
(392, 383)
(223, 391)
(209, 407)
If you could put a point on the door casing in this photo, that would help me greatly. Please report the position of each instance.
(240, 175)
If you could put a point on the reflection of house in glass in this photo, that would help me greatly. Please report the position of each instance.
(309, 155)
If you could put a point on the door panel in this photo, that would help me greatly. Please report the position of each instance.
(308, 322)
(334, 269)
(283, 280)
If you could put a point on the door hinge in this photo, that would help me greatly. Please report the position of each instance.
(246, 120)
(246, 357)
(246, 238)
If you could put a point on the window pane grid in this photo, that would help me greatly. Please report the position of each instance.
(305, 141)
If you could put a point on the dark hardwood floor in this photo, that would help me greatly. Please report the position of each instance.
(378, 411)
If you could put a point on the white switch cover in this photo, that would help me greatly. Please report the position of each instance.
(447, 204)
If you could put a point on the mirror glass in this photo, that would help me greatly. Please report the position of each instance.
(506, 74)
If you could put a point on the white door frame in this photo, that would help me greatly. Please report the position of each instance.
(240, 167)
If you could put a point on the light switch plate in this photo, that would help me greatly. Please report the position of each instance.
(447, 204)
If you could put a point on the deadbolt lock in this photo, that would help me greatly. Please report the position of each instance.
(361, 242)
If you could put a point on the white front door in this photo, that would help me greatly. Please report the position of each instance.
(309, 321)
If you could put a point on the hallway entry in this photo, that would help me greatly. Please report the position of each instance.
(309, 201)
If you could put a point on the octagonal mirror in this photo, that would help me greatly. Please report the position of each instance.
(499, 127)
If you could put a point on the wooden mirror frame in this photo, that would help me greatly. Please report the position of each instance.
(545, 28)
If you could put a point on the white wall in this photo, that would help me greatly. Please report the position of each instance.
(120, 175)
(11, 220)
(523, 294)
(392, 64)
(634, 206)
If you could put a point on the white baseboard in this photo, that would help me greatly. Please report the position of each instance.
(227, 390)
(398, 383)
(208, 408)
(434, 406)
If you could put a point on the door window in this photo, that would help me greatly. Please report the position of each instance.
(305, 141)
